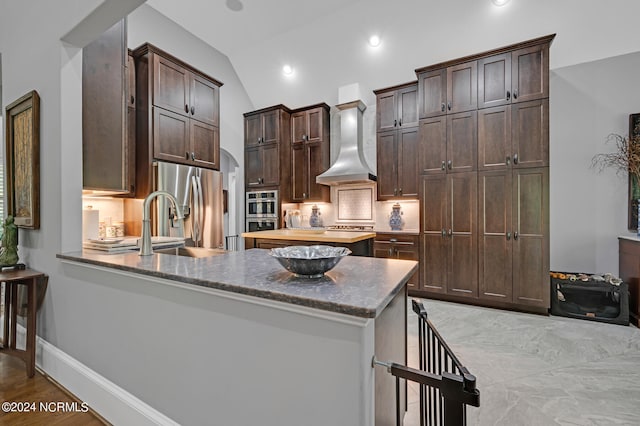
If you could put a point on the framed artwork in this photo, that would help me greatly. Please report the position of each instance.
(634, 132)
(22, 160)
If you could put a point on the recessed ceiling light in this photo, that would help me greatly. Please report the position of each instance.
(234, 5)
(287, 69)
(374, 41)
(499, 2)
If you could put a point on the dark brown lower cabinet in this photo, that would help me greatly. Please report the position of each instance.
(449, 235)
(359, 248)
(513, 244)
(398, 246)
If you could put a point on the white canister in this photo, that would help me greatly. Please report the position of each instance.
(90, 219)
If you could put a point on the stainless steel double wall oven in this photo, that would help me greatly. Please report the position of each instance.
(261, 210)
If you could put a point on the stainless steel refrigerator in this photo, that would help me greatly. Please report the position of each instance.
(199, 195)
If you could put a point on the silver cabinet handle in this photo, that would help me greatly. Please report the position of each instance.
(515, 158)
(508, 236)
(449, 164)
(515, 235)
(450, 232)
(507, 161)
(444, 165)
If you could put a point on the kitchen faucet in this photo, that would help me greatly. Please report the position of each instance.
(146, 249)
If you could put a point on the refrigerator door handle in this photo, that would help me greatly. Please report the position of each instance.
(195, 216)
(200, 210)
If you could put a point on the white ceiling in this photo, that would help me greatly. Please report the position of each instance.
(326, 40)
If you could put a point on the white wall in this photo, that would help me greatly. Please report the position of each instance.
(589, 209)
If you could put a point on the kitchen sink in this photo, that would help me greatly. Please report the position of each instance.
(191, 251)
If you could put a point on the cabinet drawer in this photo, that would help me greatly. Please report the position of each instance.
(403, 239)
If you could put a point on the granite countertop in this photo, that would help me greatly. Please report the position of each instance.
(631, 237)
(346, 237)
(357, 286)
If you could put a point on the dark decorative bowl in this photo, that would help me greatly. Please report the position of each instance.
(309, 261)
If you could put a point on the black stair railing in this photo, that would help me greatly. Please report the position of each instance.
(446, 386)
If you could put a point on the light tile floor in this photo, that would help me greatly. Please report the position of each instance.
(538, 370)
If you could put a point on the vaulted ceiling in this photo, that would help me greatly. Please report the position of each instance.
(325, 41)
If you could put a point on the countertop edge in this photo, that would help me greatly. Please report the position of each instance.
(350, 310)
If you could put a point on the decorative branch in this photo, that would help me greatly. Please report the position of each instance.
(625, 159)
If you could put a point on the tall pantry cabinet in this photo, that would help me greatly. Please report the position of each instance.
(484, 161)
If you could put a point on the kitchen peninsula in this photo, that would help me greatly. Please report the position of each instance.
(252, 342)
(360, 243)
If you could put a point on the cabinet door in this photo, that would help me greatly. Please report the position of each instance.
(315, 125)
(530, 134)
(432, 93)
(462, 260)
(407, 105)
(270, 165)
(494, 138)
(253, 167)
(170, 136)
(434, 241)
(204, 103)
(105, 148)
(408, 251)
(495, 236)
(530, 73)
(386, 111)
(408, 162)
(317, 163)
(382, 249)
(462, 142)
(205, 145)
(530, 237)
(252, 130)
(433, 145)
(462, 87)
(494, 81)
(170, 86)
(298, 127)
(387, 164)
(271, 126)
(298, 172)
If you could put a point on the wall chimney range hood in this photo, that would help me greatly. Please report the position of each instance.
(351, 166)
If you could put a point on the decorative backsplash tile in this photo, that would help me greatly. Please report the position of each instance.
(355, 204)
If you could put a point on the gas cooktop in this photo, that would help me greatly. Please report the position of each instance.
(355, 228)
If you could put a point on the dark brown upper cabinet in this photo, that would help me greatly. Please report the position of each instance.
(448, 90)
(267, 150)
(178, 109)
(397, 141)
(397, 154)
(514, 136)
(397, 107)
(185, 92)
(108, 116)
(511, 77)
(448, 144)
(310, 153)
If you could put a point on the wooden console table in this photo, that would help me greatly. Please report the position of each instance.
(11, 281)
(629, 258)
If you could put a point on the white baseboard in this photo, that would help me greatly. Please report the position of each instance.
(115, 404)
